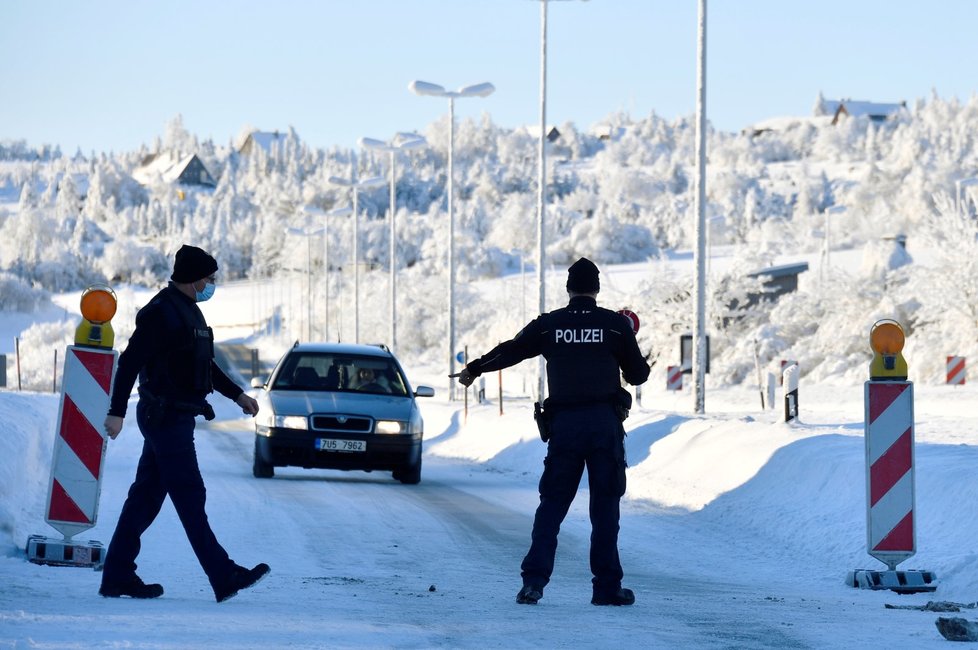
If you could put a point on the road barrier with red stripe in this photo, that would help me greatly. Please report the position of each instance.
(674, 378)
(891, 534)
(955, 371)
(79, 452)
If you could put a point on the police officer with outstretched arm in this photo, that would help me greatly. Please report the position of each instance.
(587, 349)
(172, 351)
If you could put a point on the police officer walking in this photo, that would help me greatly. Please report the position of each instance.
(587, 348)
(172, 351)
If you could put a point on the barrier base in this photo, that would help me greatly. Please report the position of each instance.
(902, 582)
(65, 552)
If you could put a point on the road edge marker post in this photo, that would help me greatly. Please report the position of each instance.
(80, 440)
(891, 535)
(790, 383)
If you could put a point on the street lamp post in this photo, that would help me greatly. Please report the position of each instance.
(400, 141)
(434, 90)
(317, 213)
(365, 184)
(699, 340)
(824, 270)
(307, 233)
(517, 251)
(542, 188)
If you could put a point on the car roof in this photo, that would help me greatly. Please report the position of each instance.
(343, 348)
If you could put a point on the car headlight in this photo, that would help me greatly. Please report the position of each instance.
(290, 422)
(390, 426)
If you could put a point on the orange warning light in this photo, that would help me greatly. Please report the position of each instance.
(887, 337)
(98, 304)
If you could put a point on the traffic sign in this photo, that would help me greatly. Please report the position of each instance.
(632, 318)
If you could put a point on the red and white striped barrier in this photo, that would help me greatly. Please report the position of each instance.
(674, 378)
(955, 371)
(79, 452)
(891, 534)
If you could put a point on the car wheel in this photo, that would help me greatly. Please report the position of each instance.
(260, 468)
(410, 475)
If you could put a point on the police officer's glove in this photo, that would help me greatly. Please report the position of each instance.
(465, 377)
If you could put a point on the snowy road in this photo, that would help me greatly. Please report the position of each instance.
(359, 560)
(367, 552)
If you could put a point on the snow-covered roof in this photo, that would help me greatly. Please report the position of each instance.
(263, 139)
(856, 108)
(607, 132)
(782, 124)
(167, 165)
(552, 131)
(780, 271)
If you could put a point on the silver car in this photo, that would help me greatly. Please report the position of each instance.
(339, 406)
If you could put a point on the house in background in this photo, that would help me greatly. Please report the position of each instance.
(607, 132)
(840, 108)
(552, 132)
(262, 139)
(173, 168)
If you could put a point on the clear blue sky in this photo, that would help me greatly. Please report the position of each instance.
(109, 74)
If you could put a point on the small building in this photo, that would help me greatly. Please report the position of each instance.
(786, 124)
(552, 133)
(262, 139)
(607, 132)
(777, 281)
(172, 168)
(875, 111)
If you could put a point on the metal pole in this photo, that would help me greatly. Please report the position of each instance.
(393, 256)
(523, 303)
(541, 189)
(451, 246)
(699, 347)
(356, 268)
(326, 275)
(308, 286)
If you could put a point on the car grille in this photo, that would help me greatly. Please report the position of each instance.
(348, 423)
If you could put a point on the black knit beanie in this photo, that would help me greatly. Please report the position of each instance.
(582, 277)
(192, 264)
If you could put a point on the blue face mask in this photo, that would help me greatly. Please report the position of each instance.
(207, 293)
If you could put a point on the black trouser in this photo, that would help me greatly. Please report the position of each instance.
(590, 436)
(167, 467)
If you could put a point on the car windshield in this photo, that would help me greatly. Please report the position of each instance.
(325, 371)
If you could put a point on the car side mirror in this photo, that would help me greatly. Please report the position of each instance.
(257, 382)
(424, 391)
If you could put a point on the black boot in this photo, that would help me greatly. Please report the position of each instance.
(134, 588)
(620, 597)
(529, 595)
(240, 578)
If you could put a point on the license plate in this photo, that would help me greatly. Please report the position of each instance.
(331, 444)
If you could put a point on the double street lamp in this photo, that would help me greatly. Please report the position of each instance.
(427, 89)
(364, 184)
(401, 141)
